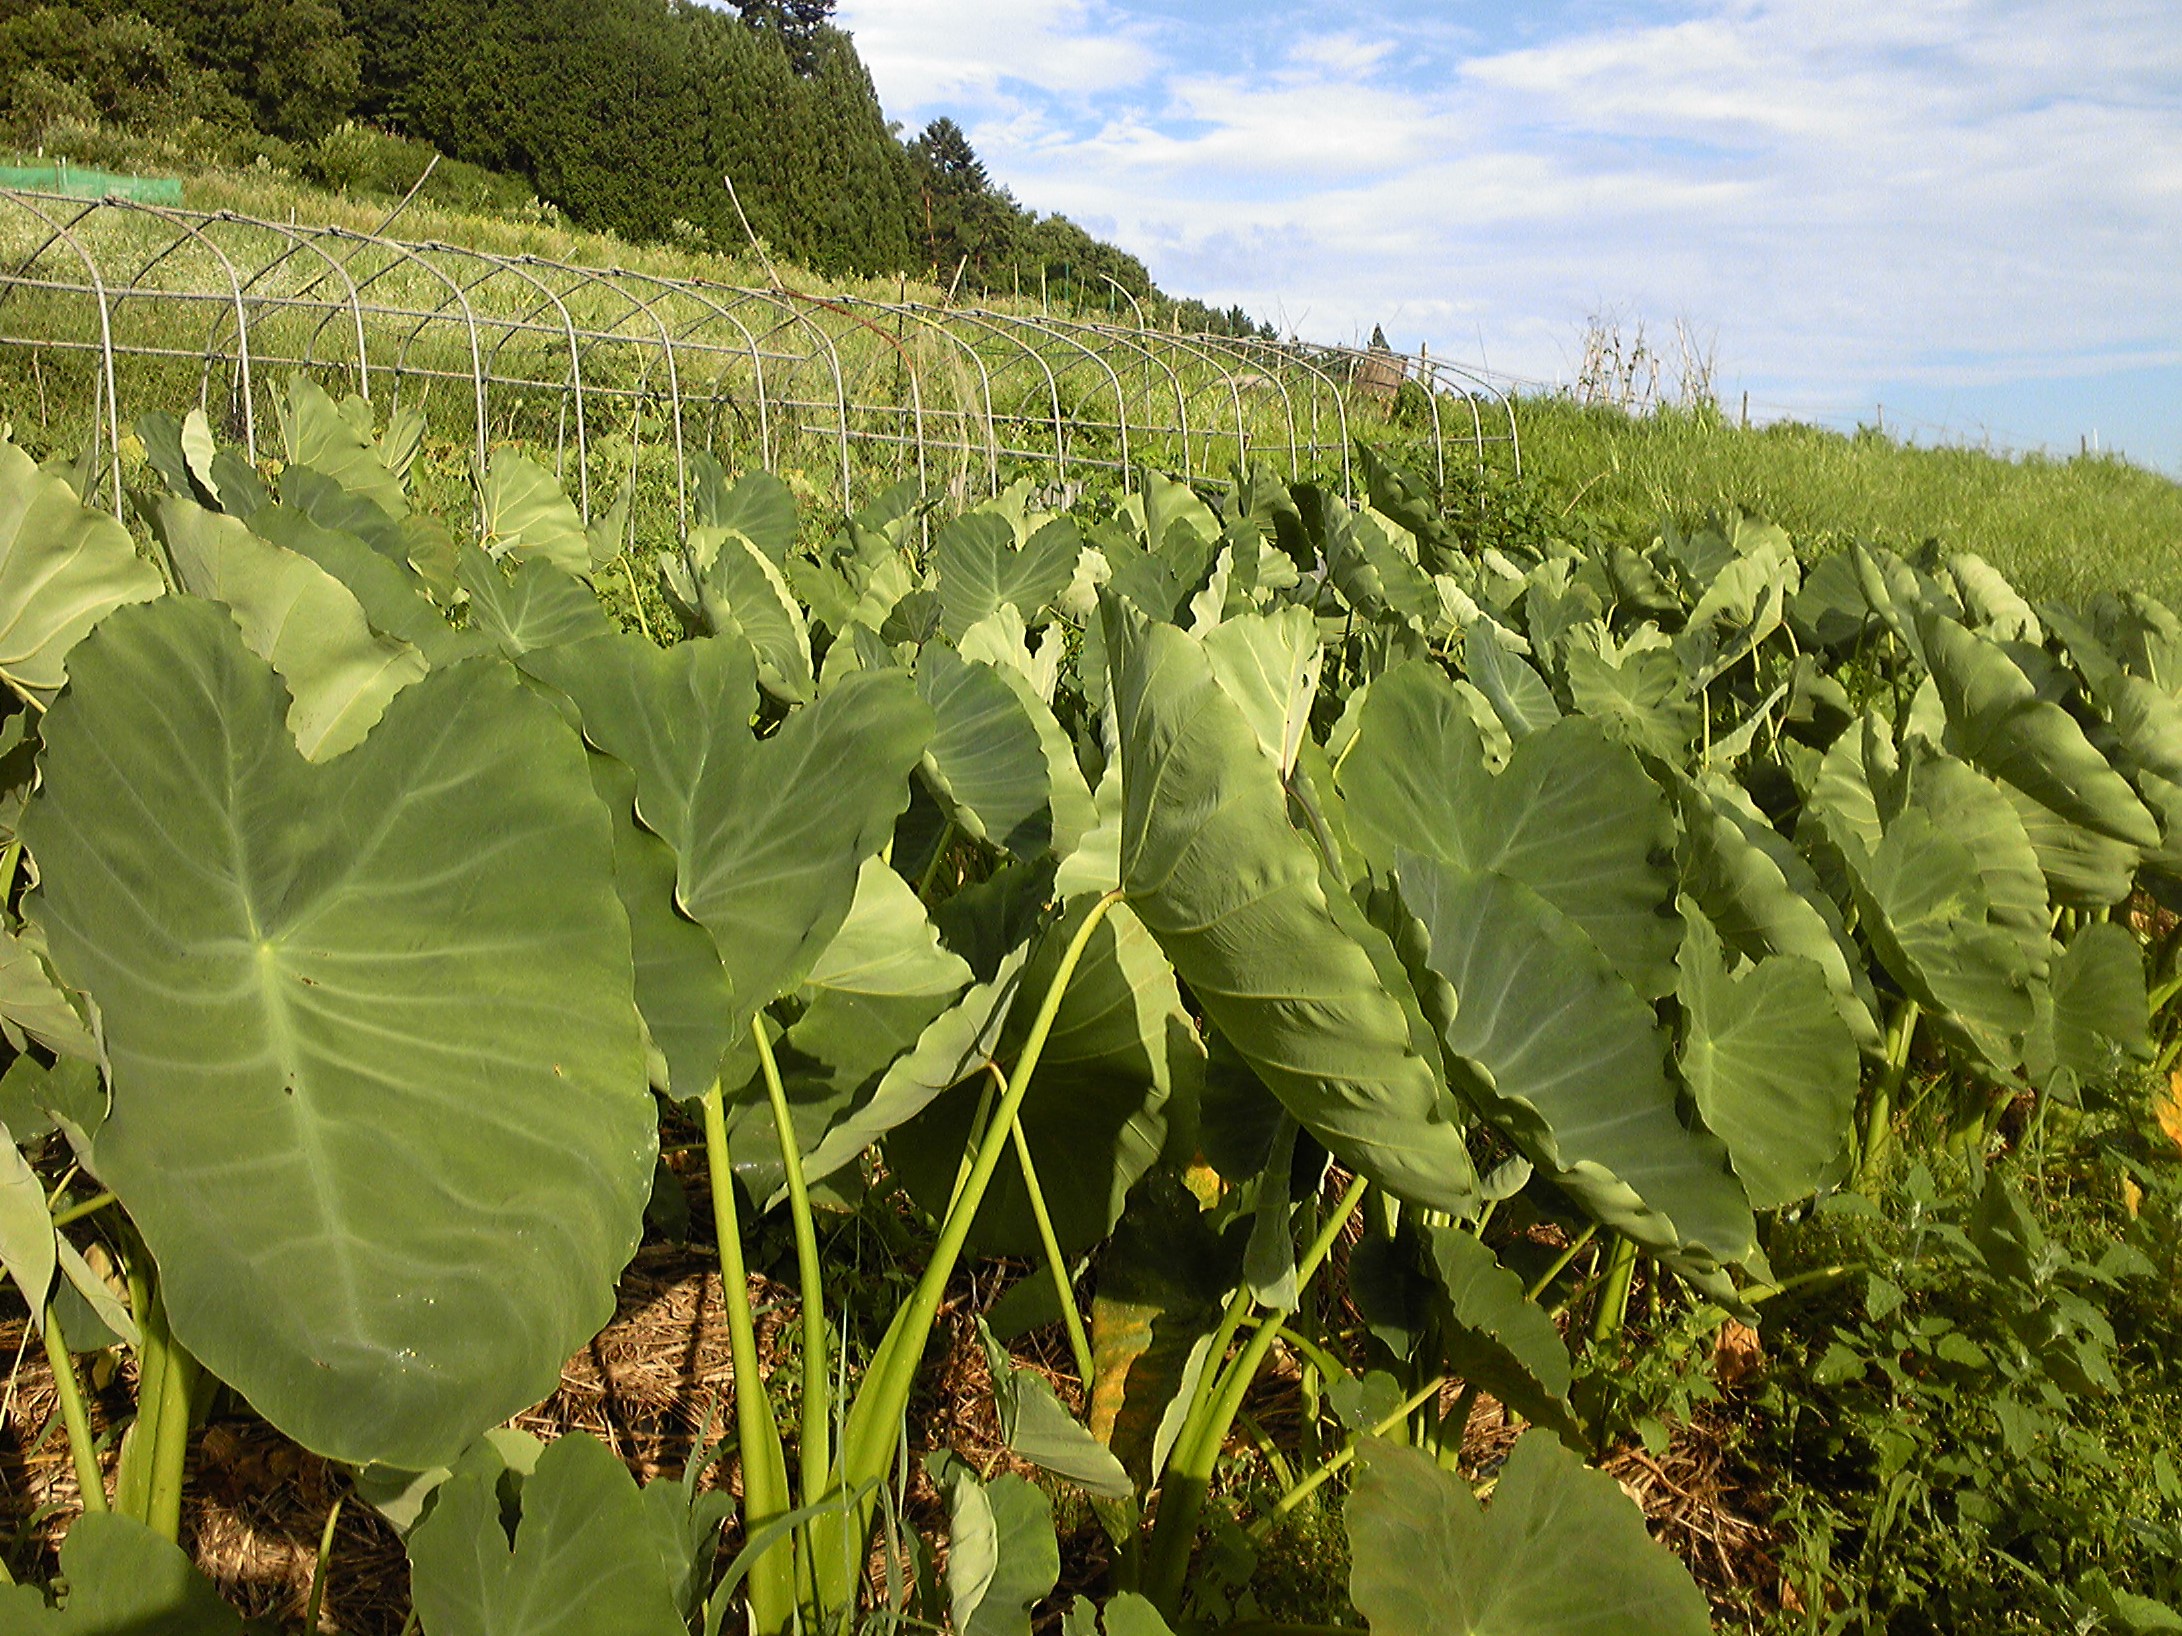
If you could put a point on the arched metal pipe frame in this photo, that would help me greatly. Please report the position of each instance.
(59, 233)
(922, 378)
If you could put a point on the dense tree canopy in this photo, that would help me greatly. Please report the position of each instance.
(646, 118)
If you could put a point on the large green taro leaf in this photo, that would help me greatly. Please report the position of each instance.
(767, 835)
(339, 672)
(1764, 899)
(1573, 816)
(986, 761)
(378, 1087)
(740, 590)
(1567, 1059)
(772, 856)
(1997, 721)
(2094, 1011)
(682, 989)
(758, 505)
(390, 595)
(335, 439)
(63, 568)
(1234, 896)
(1966, 805)
(584, 1560)
(1518, 694)
(1923, 904)
(880, 982)
(1562, 1552)
(527, 516)
(1002, 1558)
(1771, 1064)
(123, 1580)
(1269, 664)
(537, 607)
(981, 567)
(1644, 701)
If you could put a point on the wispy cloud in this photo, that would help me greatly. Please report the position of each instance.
(1857, 196)
(934, 52)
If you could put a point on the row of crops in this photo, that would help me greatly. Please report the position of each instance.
(1233, 915)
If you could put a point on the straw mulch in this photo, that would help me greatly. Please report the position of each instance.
(648, 1386)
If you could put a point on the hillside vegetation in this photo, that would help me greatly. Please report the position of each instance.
(2057, 527)
(628, 116)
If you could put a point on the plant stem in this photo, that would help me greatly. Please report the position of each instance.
(875, 1420)
(1803, 1280)
(1197, 1450)
(1056, 1263)
(2165, 1059)
(813, 1450)
(170, 1443)
(2157, 1000)
(1560, 1263)
(939, 853)
(636, 598)
(73, 1415)
(764, 1468)
(995, 1080)
(1454, 1426)
(1613, 1304)
(1879, 1124)
(76, 1212)
(317, 1602)
(133, 1477)
(1312, 1481)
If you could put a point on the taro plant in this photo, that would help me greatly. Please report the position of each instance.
(1294, 930)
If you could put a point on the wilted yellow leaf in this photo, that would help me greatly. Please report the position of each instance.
(2169, 1108)
(2132, 1196)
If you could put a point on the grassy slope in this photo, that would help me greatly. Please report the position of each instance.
(2054, 527)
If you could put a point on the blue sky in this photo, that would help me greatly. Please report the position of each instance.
(1969, 211)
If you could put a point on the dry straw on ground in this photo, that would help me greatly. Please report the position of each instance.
(650, 1384)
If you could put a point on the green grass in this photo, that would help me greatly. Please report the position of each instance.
(2064, 528)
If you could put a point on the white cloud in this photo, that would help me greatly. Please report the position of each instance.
(924, 52)
(1849, 191)
(1343, 53)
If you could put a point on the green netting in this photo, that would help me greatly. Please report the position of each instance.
(79, 182)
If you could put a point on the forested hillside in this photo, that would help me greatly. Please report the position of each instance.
(629, 116)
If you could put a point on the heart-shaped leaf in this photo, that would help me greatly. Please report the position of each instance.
(1770, 1063)
(1235, 898)
(389, 1177)
(1562, 1552)
(1572, 816)
(527, 516)
(123, 1580)
(335, 440)
(981, 567)
(63, 568)
(758, 506)
(1121, 1048)
(1493, 1335)
(986, 762)
(292, 613)
(742, 592)
(584, 1559)
(1567, 1058)
(1999, 723)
